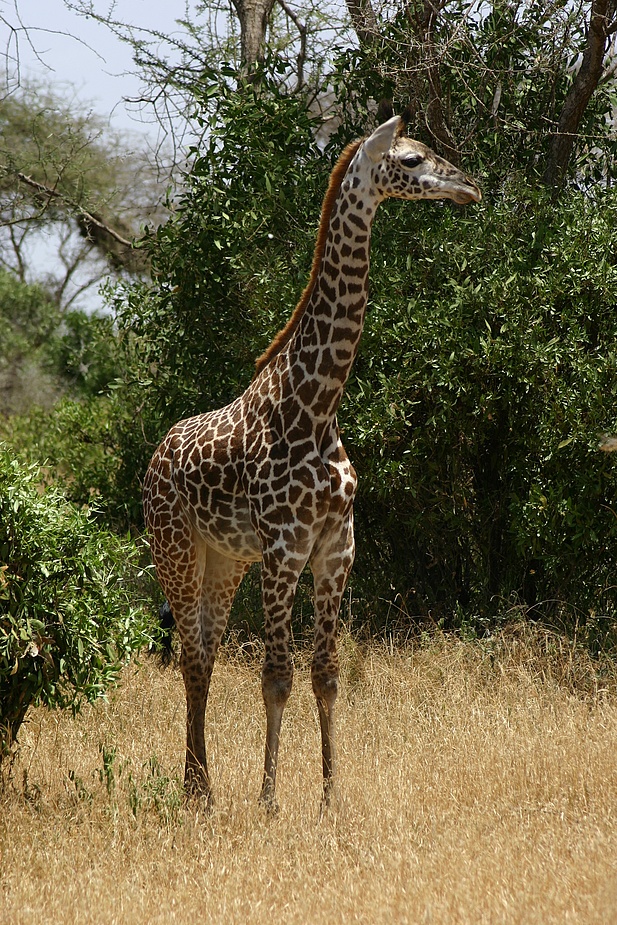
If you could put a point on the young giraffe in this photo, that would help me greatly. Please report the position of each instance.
(266, 478)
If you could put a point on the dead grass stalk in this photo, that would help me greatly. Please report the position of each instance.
(478, 784)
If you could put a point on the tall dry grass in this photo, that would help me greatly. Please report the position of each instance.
(478, 784)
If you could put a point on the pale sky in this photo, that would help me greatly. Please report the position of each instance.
(84, 61)
(57, 46)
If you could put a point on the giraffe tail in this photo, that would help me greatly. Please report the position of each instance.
(166, 627)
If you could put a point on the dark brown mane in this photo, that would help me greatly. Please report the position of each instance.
(336, 178)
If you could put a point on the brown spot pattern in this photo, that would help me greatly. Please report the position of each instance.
(267, 478)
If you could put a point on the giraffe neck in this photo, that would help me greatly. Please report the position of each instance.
(325, 343)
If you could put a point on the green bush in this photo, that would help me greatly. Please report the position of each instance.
(28, 319)
(486, 375)
(45, 353)
(486, 372)
(83, 354)
(68, 618)
(228, 268)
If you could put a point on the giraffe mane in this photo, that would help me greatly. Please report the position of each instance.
(285, 334)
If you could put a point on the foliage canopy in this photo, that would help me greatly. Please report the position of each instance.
(487, 368)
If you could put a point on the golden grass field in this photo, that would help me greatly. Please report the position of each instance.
(478, 784)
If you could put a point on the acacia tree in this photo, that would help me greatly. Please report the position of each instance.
(521, 78)
(516, 79)
(62, 171)
(512, 80)
(485, 351)
(236, 37)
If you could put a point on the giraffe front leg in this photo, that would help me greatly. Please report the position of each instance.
(279, 581)
(330, 564)
(276, 688)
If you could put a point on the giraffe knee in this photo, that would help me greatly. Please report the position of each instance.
(325, 684)
(276, 686)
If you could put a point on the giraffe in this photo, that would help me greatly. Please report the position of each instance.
(267, 479)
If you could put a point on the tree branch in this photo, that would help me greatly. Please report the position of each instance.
(434, 116)
(120, 250)
(583, 86)
(364, 21)
(302, 30)
(88, 216)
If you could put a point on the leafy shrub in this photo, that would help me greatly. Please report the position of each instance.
(83, 353)
(228, 268)
(79, 443)
(46, 353)
(67, 619)
(28, 318)
(486, 375)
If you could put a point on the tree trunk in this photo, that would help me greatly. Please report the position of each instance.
(422, 20)
(253, 16)
(435, 118)
(601, 24)
(364, 21)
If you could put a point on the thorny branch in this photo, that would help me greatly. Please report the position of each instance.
(302, 31)
(88, 216)
(120, 250)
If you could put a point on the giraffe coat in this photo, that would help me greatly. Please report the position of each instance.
(266, 478)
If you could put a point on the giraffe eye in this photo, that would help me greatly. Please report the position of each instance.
(414, 160)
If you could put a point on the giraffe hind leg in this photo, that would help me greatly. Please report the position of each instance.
(221, 579)
(200, 586)
(181, 569)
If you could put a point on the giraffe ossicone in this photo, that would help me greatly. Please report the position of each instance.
(266, 478)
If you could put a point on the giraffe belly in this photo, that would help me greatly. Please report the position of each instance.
(226, 526)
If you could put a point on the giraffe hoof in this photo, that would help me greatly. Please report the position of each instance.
(328, 798)
(269, 804)
(197, 793)
(200, 803)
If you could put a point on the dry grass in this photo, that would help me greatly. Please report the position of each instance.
(478, 784)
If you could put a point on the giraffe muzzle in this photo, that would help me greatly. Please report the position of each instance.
(466, 194)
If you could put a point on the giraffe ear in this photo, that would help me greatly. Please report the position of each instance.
(406, 117)
(384, 111)
(380, 142)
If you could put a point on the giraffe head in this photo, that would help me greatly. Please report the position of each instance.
(405, 169)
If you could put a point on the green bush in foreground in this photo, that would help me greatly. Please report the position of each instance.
(67, 622)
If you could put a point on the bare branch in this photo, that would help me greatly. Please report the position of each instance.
(92, 226)
(89, 217)
(17, 250)
(302, 30)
